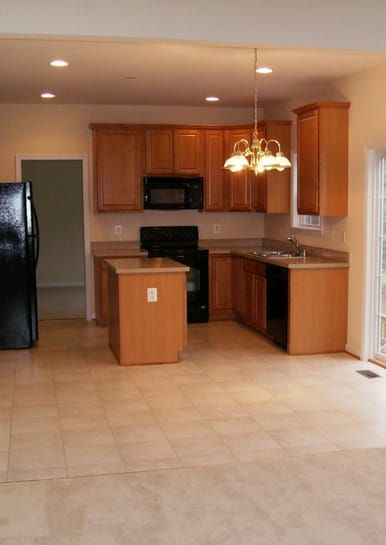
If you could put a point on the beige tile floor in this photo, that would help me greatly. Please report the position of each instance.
(237, 444)
(68, 409)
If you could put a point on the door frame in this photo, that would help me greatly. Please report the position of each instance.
(86, 222)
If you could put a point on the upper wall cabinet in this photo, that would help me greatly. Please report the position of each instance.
(118, 168)
(188, 151)
(214, 170)
(238, 193)
(173, 151)
(272, 189)
(322, 148)
(159, 151)
(123, 154)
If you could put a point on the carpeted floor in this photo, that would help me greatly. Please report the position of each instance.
(324, 499)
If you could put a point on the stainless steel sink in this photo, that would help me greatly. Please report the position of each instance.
(274, 254)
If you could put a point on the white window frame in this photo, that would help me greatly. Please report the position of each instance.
(299, 221)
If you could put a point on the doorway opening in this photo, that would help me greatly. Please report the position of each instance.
(58, 187)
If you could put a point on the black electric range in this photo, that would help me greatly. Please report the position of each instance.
(181, 244)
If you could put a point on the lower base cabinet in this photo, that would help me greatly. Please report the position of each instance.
(317, 302)
(238, 287)
(255, 295)
(101, 275)
(317, 310)
(220, 287)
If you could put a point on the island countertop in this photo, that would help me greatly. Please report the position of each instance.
(146, 265)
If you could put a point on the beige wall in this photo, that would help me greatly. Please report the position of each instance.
(63, 130)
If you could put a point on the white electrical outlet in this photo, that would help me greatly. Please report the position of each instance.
(117, 230)
(216, 228)
(152, 295)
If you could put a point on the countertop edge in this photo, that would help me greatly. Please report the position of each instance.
(145, 265)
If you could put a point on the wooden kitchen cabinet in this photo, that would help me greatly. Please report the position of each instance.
(220, 286)
(214, 199)
(255, 295)
(322, 150)
(238, 193)
(317, 310)
(118, 168)
(101, 290)
(188, 151)
(174, 151)
(272, 189)
(238, 287)
(159, 151)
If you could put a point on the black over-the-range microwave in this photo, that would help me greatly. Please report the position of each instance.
(173, 192)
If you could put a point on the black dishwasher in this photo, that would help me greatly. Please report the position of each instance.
(277, 304)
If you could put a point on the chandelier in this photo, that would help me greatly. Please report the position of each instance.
(258, 152)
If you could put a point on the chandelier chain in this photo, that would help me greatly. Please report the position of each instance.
(255, 94)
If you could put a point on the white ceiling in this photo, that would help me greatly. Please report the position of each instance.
(151, 73)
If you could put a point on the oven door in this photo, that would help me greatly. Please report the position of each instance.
(197, 285)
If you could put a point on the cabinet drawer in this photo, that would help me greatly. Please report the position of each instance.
(254, 267)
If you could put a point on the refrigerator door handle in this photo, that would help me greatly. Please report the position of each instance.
(36, 235)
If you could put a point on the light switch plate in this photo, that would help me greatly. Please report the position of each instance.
(152, 295)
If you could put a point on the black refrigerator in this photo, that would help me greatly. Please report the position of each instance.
(19, 252)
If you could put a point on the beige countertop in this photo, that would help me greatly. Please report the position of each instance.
(146, 265)
(309, 262)
(316, 257)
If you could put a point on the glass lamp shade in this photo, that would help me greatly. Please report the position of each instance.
(236, 162)
(282, 161)
(268, 161)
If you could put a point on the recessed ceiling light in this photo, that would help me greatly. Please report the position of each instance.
(264, 70)
(48, 95)
(212, 99)
(59, 63)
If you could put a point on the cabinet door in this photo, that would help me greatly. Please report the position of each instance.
(159, 151)
(259, 181)
(118, 165)
(187, 151)
(272, 189)
(101, 289)
(238, 287)
(260, 288)
(255, 300)
(220, 286)
(237, 184)
(308, 171)
(213, 170)
(255, 295)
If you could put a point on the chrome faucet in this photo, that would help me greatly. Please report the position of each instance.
(299, 250)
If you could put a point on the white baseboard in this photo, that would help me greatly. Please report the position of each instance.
(353, 350)
(60, 285)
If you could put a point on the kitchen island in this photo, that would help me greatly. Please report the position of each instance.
(147, 309)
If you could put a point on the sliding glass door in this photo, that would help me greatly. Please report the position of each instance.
(380, 264)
